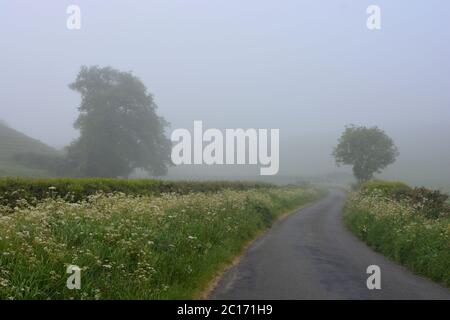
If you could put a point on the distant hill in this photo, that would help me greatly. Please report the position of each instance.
(13, 142)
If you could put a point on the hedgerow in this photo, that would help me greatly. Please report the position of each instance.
(16, 191)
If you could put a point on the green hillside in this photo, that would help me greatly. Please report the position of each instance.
(13, 142)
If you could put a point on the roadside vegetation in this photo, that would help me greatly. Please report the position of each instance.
(133, 246)
(409, 225)
(24, 191)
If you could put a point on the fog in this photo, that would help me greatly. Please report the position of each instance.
(307, 68)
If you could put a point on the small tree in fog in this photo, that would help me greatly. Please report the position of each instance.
(368, 150)
(119, 128)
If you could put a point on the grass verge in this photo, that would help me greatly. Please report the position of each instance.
(133, 247)
(399, 230)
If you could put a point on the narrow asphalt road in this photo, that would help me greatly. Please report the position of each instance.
(311, 255)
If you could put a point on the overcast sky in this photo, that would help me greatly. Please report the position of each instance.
(306, 67)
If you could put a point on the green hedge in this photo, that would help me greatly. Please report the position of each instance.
(433, 203)
(14, 191)
(386, 188)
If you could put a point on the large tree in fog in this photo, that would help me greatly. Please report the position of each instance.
(119, 128)
(368, 150)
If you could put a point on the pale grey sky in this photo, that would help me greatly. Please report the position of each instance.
(306, 67)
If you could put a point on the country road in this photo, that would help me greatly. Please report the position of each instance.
(311, 255)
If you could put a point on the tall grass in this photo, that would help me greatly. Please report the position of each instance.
(400, 231)
(133, 247)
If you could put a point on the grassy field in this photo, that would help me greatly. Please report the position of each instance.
(401, 231)
(128, 246)
(12, 143)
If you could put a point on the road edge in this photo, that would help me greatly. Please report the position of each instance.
(209, 288)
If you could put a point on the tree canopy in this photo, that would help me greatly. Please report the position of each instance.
(119, 128)
(368, 150)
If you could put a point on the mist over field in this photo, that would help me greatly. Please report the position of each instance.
(307, 68)
(225, 150)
